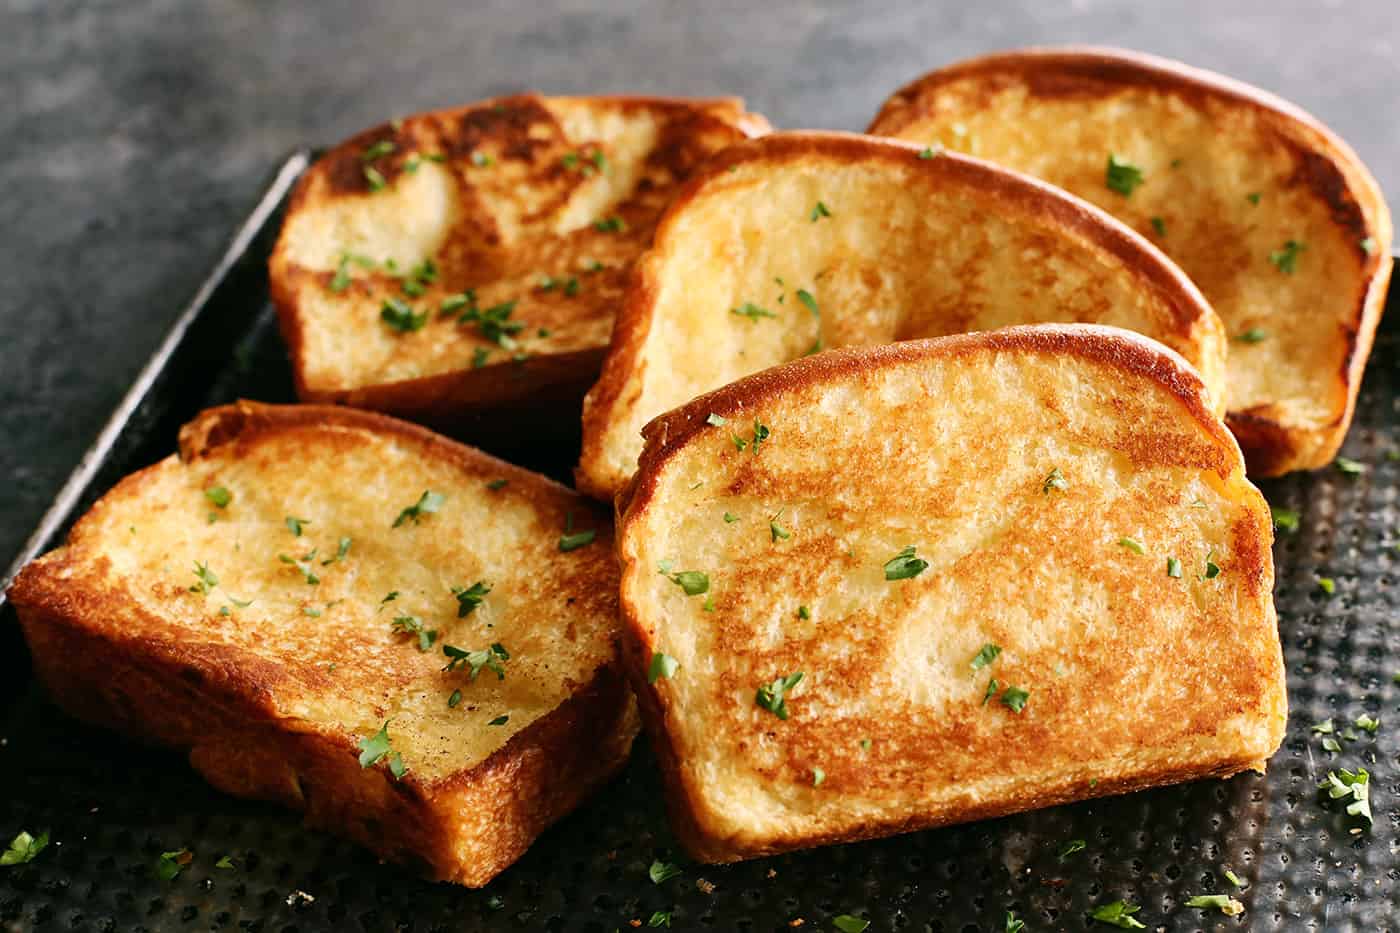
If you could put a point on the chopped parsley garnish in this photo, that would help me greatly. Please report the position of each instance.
(1330, 744)
(393, 595)
(1071, 847)
(716, 420)
(662, 665)
(1368, 245)
(481, 159)
(489, 658)
(660, 918)
(985, 656)
(1159, 225)
(1118, 914)
(693, 582)
(454, 699)
(294, 524)
(23, 848)
(226, 862)
(342, 548)
(1285, 520)
(928, 152)
(751, 311)
(479, 356)
(572, 542)
(1233, 878)
(1212, 568)
(1327, 585)
(1173, 567)
(1355, 784)
(454, 303)
(1286, 258)
(1054, 480)
(470, 597)
(905, 565)
(818, 776)
(730, 518)
(1252, 197)
(427, 504)
(412, 625)
(808, 301)
(991, 691)
(309, 611)
(500, 720)
(1132, 544)
(219, 496)
(401, 317)
(819, 210)
(1014, 698)
(804, 613)
(660, 871)
(1223, 902)
(377, 150)
(1253, 335)
(773, 697)
(494, 323)
(170, 864)
(1367, 722)
(1350, 467)
(374, 177)
(760, 434)
(1122, 176)
(1325, 727)
(497, 484)
(848, 924)
(341, 280)
(1013, 925)
(303, 565)
(207, 579)
(777, 531)
(376, 748)
(612, 224)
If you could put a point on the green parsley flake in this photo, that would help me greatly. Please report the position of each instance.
(778, 531)
(412, 625)
(1355, 784)
(752, 311)
(809, 302)
(294, 524)
(1014, 925)
(170, 864)
(1118, 914)
(662, 665)
(341, 280)
(1014, 699)
(692, 582)
(1285, 520)
(206, 577)
(928, 152)
(1287, 258)
(494, 324)
(1122, 176)
(500, 720)
(479, 356)
(1253, 197)
(303, 565)
(23, 848)
(1173, 568)
(427, 504)
(1212, 568)
(661, 872)
(1325, 727)
(1054, 480)
(1367, 722)
(1132, 544)
(849, 924)
(572, 542)
(219, 496)
(819, 210)
(454, 699)
(1330, 744)
(490, 658)
(1350, 467)
(496, 484)
(730, 518)
(1223, 902)
(1233, 878)
(1253, 335)
(1159, 226)
(716, 420)
(905, 565)
(400, 317)
(469, 598)
(481, 160)
(773, 696)
(660, 918)
(985, 656)
(451, 304)
(612, 224)
(804, 613)
(1071, 847)
(225, 862)
(1327, 585)
(342, 548)
(377, 150)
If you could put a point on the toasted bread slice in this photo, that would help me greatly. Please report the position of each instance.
(283, 590)
(1272, 215)
(1060, 493)
(462, 259)
(798, 241)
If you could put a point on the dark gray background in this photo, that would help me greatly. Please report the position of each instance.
(133, 136)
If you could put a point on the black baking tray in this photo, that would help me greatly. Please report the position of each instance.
(111, 807)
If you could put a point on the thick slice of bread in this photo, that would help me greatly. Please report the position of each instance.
(1272, 215)
(1052, 508)
(497, 235)
(290, 585)
(798, 241)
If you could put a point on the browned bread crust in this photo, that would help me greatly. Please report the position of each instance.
(250, 694)
(946, 244)
(501, 195)
(1232, 173)
(1180, 677)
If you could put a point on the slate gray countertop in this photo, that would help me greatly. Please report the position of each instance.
(136, 134)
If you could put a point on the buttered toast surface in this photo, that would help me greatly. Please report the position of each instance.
(795, 242)
(410, 640)
(1274, 217)
(460, 259)
(884, 589)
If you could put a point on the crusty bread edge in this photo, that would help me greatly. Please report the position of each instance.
(668, 433)
(442, 400)
(215, 704)
(1030, 196)
(1271, 448)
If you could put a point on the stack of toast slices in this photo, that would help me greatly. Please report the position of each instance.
(926, 451)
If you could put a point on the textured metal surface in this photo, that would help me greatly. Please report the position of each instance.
(111, 807)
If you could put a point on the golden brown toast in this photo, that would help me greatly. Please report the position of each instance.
(885, 589)
(795, 242)
(1272, 215)
(457, 260)
(298, 579)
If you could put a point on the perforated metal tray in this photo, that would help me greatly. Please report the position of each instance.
(112, 807)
